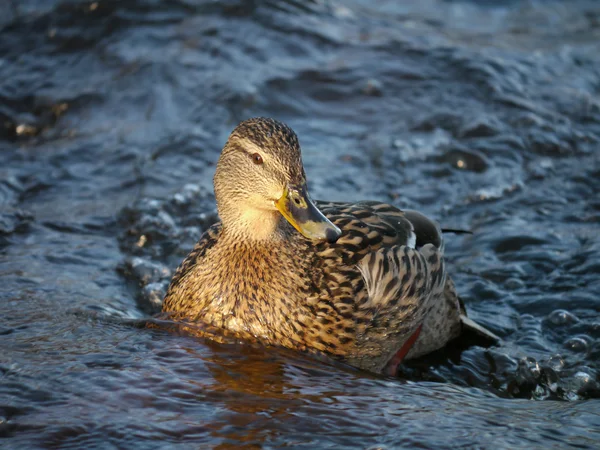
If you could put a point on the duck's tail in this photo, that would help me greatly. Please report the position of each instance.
(482, 335)
(456, 231)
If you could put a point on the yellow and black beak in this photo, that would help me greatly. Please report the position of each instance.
(299, 210)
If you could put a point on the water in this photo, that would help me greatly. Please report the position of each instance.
(485, 115)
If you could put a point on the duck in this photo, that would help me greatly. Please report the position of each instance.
(364, 283)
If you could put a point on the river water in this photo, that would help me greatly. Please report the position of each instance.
(482, 114)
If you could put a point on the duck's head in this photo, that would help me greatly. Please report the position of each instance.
(260, 179)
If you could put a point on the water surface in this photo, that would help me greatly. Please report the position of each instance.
(484, 115)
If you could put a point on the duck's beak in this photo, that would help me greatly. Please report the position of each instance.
(299, 210)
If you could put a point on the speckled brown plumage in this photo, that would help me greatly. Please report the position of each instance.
(358, 299)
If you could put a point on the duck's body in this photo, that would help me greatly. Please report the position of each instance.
(361, 286)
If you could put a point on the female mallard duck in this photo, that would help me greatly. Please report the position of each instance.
(361, 282)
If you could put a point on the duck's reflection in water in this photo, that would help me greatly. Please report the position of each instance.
(260, 393)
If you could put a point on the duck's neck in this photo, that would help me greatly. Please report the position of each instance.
(252, 225)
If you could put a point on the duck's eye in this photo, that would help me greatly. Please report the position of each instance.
(257, 159)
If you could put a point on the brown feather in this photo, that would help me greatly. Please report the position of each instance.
(358, 299)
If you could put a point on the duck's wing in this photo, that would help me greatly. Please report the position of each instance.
(206, 241)
(403, 285)
(399, 272)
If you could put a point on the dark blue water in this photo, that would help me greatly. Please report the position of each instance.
(484, 115)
